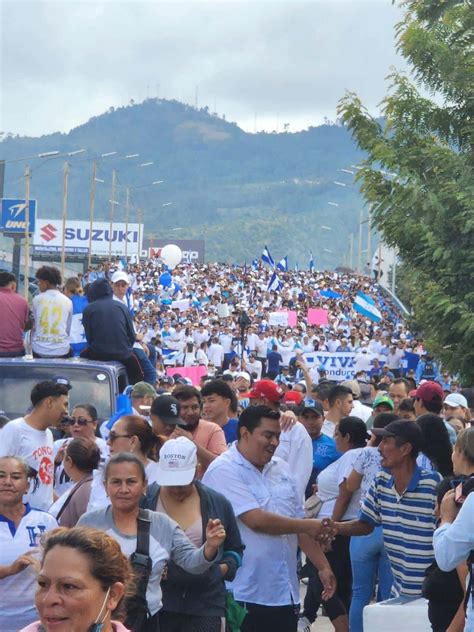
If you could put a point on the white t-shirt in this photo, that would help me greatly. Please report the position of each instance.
(296, 449)
(328, 485)
(52, 312)
(62, 482)
(18, 438)
(17, 606)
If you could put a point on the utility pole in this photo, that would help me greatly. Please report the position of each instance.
(91, 211)
(369, 242)
(140, 220)
(63, 241)
(359, 246)
(112, 204)
(351, 249)
(27, 230)
(127, 211)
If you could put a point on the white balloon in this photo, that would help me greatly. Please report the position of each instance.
(171, 255)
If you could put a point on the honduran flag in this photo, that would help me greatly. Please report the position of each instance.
(283, 264)
(366, 306)
(311, 262)
(267, 257)
(274, 284)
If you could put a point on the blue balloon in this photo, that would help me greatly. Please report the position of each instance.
(165, 279)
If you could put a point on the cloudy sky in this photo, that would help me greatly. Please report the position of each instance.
(261, 63)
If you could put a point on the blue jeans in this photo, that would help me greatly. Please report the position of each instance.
(369, 560)
(149, 371)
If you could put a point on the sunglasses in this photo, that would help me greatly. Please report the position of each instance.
(113, 435)
(80, 421)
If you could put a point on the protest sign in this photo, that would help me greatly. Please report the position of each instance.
(317, 316)
(283, 318)
(194, 373)
(339, 366)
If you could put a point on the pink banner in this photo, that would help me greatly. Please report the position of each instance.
(193, 372)
(317, 316)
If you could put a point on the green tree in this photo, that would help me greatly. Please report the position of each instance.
(418, 175)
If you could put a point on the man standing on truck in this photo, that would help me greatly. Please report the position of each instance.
(15, 318)
(30, 438)
(52, 313)
(109, 330)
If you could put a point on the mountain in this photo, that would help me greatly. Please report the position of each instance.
(236, 190)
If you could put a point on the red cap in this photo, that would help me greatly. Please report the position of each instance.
(430, 392)
(293, 397)
(266, 389)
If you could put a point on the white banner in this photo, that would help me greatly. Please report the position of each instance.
(278, 319)
(48, 234)
(338, 366)
(182, 304)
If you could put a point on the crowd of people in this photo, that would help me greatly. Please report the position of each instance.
(213, 502)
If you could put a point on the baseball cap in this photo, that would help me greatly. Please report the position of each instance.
(177, 463)
(293, 397)
(167, 408)
(430, 392)
(409, 431)
(60, 379)
(265, 389)
(244, 375)
(143, 389)
(456, 399)
(119, 275)
(354, 386)
(383, 399)
(315, 407)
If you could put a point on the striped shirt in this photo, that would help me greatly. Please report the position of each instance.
(408, 522)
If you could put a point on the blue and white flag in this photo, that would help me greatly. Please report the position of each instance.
(122, 264)
(255, 264)
(296, 267)
(267, 257)
(283, 264)
(275, 284)
(311, 262)
(330, 294)
(367, 307)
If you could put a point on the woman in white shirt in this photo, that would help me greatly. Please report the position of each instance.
(339, 504)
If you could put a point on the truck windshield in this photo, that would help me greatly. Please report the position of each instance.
(89, 386)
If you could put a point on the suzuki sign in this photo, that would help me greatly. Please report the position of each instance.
(48, 235)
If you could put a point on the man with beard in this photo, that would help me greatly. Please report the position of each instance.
(208, 437)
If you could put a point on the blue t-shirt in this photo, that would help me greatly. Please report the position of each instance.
(274, 359)
(324, 453)
(230, 431)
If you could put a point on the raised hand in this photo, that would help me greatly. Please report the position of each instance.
(215, 533)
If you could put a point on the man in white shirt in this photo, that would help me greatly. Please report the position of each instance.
(52, 313)
(29, 437)
(215, 353)
(252, 338)
(252, 365)
(340, 402)
(262, 492)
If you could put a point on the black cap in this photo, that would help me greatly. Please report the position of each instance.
(315, 407)
(409, 431)
(167, 408)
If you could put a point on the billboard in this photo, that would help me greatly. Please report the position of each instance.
(14, 216)
(48, 235)
(193, 249)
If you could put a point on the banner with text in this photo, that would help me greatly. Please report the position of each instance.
(338, 365)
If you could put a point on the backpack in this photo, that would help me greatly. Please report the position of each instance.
(137, 606)
(428, 370)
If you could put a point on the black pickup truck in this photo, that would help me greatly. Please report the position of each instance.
(96, 383)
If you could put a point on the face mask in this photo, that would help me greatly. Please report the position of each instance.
(98, 626)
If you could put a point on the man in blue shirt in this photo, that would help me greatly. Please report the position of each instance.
(324, 447)
(274, 360)
(217, 398)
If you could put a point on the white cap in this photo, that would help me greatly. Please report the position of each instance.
(244, 375)
(456, 399)
(120, 275)
(178, 462)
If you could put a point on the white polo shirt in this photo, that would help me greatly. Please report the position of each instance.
(268, 574)
(17, 606)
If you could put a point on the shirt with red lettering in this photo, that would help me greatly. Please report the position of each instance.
(18, 438)
(14, 311)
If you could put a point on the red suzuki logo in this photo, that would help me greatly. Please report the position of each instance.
(48, 232)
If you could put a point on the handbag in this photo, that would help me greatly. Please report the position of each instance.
(137, 606)
(313, 505)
